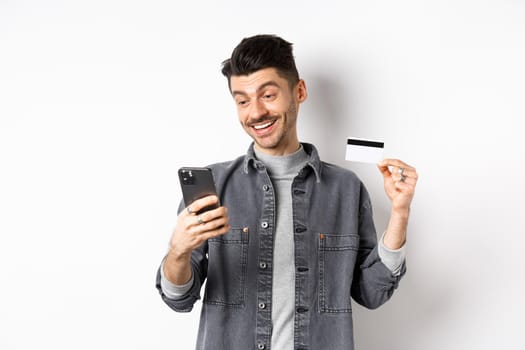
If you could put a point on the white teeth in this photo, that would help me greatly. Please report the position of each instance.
(259, 127)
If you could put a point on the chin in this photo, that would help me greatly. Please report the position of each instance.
(268, 146)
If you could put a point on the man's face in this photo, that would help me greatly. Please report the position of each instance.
(267, 109)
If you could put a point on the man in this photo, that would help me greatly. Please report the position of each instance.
(293, 240)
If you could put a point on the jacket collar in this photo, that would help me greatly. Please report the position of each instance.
(313, 163)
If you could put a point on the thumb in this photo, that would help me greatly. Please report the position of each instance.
(383, 168)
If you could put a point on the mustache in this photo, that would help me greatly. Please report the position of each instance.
(263, 119)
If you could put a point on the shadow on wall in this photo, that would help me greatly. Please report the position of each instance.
(424, 298)
(326, 116)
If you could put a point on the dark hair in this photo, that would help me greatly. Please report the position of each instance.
(259, 52)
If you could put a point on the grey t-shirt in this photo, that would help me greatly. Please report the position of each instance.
(282, 171)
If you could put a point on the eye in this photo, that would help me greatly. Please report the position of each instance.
(242, 102)
(269, 96)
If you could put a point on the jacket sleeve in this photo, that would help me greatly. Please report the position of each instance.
(373, 282)
(199, 267)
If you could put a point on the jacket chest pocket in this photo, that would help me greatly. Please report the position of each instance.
(227, 254)
(337, 257)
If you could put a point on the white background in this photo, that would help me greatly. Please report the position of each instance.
(102, 101)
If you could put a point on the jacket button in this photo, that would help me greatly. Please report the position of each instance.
(262, 306)
(263, 265)
(266, 188)
(302, 310)
(261, 346)
(264, 224)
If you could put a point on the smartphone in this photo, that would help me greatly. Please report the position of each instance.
(195, 184)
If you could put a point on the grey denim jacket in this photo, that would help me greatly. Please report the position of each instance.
(336, 259)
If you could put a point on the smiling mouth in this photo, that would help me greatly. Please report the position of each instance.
(263, 126)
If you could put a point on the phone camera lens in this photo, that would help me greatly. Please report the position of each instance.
(187, 177)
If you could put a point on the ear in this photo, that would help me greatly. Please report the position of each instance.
(300, 91)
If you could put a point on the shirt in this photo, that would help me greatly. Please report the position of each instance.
(335, 254)
(282, 170)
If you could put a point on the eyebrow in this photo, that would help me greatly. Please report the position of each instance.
(262, 87)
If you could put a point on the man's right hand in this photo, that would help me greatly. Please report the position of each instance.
(190, 232)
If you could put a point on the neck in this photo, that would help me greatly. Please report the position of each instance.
(289, 148)
(287, 165)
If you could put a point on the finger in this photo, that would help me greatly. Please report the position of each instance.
(193, 224)
(396, 177)
(214, 233)
(408, 180)
(214, 214)
(404, 187)
(199, 224)
(390, 175)
(199, 220)
(202, 203)
(396, 163)
(397, 172)
(408, 172)
(199, 236)
(383, 168)
(407, 175)
(385, 171)
(214, 224)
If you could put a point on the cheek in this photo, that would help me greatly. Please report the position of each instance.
(287, 106)
(241, 115)
(292, 108)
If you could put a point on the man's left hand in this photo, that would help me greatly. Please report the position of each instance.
(400, 182)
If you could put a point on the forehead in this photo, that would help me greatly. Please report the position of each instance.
(251, 83)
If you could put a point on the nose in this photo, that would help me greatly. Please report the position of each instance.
(257, 110)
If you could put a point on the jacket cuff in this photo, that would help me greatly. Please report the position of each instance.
(392, 258)
(174, 291)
